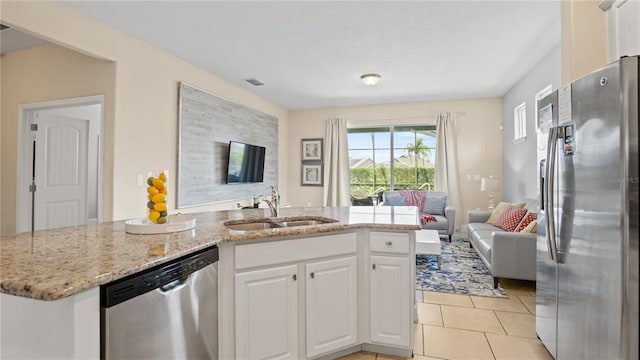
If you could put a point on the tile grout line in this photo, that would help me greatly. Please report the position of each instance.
(525, 305)
(424, 350)
(489, 343)
(501, 324)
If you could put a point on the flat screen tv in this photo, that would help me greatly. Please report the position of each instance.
(245, 163)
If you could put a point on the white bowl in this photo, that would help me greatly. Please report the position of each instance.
(174, 223)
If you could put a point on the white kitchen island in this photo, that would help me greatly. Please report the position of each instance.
(304, 292)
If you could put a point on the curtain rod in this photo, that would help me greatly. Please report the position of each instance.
(408, 119)
(444, 112)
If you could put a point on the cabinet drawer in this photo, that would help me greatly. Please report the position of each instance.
(389, 242)
(284, 251)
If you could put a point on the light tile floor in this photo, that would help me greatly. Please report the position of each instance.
(474, 327)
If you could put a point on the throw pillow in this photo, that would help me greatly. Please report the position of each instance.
(434, 203)
(395, 201)
(531, 228)
(502, 206)
(526, 220)
(510, 218)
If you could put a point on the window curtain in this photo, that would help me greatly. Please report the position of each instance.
(336, 172)
(446, 173)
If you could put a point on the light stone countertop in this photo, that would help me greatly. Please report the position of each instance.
(54, 264)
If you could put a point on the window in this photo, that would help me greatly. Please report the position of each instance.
(371, 151)
(520, 122)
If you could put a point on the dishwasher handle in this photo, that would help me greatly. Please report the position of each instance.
(175, 285)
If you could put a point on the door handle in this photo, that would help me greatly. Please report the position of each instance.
(551, 170)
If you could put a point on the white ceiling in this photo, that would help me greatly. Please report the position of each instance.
(310, 54)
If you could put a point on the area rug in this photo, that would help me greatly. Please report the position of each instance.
(461, 272)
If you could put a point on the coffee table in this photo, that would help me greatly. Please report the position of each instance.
(428, 243)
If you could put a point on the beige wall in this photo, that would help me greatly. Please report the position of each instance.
(479, 140)
(146, 97)
(41, 74)
(584, 46)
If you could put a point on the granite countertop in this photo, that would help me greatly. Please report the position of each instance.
(54, 264)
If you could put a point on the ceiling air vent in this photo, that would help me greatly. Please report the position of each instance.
(254, 82)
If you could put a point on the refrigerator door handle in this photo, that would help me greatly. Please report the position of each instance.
(549, 188)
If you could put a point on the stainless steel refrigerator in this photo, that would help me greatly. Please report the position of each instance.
(587, 243)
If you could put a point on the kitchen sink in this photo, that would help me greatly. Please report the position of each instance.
(302, 223)
(276, 223)
(249, 226)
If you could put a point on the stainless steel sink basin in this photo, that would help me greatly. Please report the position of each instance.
(276, 223)
(250, 226)
(301, 223)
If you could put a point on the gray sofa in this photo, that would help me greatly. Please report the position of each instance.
(506, 254)
(445, 222)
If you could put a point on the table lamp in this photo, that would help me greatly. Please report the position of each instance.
(491, 185)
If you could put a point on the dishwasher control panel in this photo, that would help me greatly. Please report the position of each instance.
(126, 288)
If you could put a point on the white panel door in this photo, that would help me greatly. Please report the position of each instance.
(61, 172)
(331, 305)
(390, 302)
(267, 314)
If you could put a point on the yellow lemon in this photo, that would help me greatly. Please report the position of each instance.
(160, 207)
(153, 216)
(158, 184)
(163, 191)
(152, 190)
(158, 198)
(162, 176)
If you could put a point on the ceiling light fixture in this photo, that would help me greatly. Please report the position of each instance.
(370, 79)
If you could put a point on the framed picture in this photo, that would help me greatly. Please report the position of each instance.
(311, 149)
(312, 174)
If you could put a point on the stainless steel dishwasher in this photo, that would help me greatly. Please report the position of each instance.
(166, 312)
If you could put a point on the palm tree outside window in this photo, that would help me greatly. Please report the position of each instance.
(391, 158)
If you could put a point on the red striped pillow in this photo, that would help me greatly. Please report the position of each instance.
(510, 218)
(526, 220)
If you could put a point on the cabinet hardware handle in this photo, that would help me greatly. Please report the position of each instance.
(389, 243)
(295, 277)
(374, 266)
(312, 275)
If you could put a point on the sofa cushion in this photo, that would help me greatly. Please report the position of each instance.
(471, 227)
(502, 206)
(483, 240)
(510, 218)
(526, 220)
(434, 203)
(395, 201)
(441, 223)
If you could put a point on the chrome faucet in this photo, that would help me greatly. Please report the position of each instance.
(274, 203)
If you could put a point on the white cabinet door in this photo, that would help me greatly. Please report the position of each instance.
(267, 314)
(627, 27)
(331, 305)
(390, 300)
(623, 28)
